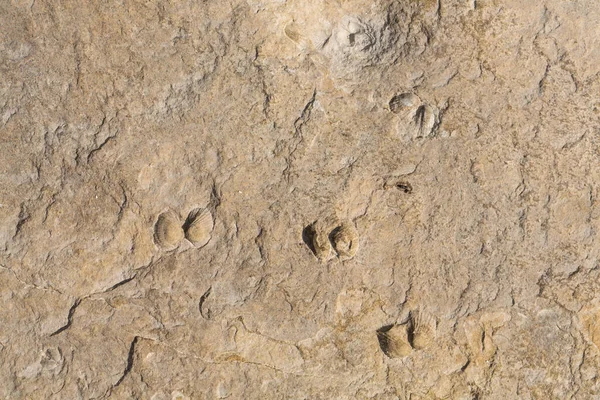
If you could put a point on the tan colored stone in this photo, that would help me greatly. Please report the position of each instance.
(273, 199)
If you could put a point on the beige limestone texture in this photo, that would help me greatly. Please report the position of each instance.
(420, 174)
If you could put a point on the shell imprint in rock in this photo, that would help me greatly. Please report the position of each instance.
(317, 241)
(393, 340)
(167, 230)
(198, 227)
(422, 330)
(345, 240)
(404, 104)
(424, 122)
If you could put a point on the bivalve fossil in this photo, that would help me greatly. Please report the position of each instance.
(422, 330)
(345, 240)
(318, 242)
(424, 122)
(198, 227)
(167, 230)
(405, 104)
(393, 340)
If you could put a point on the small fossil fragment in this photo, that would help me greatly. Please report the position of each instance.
(404, 103)
(405, 187)
(198, 227)
(393, 340)
(345, 240)
(205, 312)
(402, 186)
(291, 31)
(355, 34)
(167, 230)
(318, 242)
(422, 330)
(322, 247)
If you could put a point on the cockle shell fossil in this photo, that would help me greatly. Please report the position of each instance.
(422, 330)
(393, 341)
(404, 103)
(345, 240)
(198, 227)
(167, 230)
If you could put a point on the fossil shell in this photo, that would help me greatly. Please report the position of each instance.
(345, 240)
(167, 230)
(198, 227)
(404, 103)
(416, 120)
(322, 246)
(424, 121)
(393, 341)
(318, 242)
(422, 330)
(294, 32)
(291, 31)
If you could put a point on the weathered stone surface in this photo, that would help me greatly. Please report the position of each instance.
(251, 199)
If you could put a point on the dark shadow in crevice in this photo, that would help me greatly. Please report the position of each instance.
(308, 237)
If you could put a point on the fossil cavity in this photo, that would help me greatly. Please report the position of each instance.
(394, 340)
(167, 230)
(318, 242)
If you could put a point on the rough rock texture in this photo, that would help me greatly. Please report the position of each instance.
(271, 199)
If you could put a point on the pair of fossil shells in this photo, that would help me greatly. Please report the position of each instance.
(197, 228)
(399, 340)
(343, 239)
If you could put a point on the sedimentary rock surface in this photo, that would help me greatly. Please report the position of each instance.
(271, 199)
